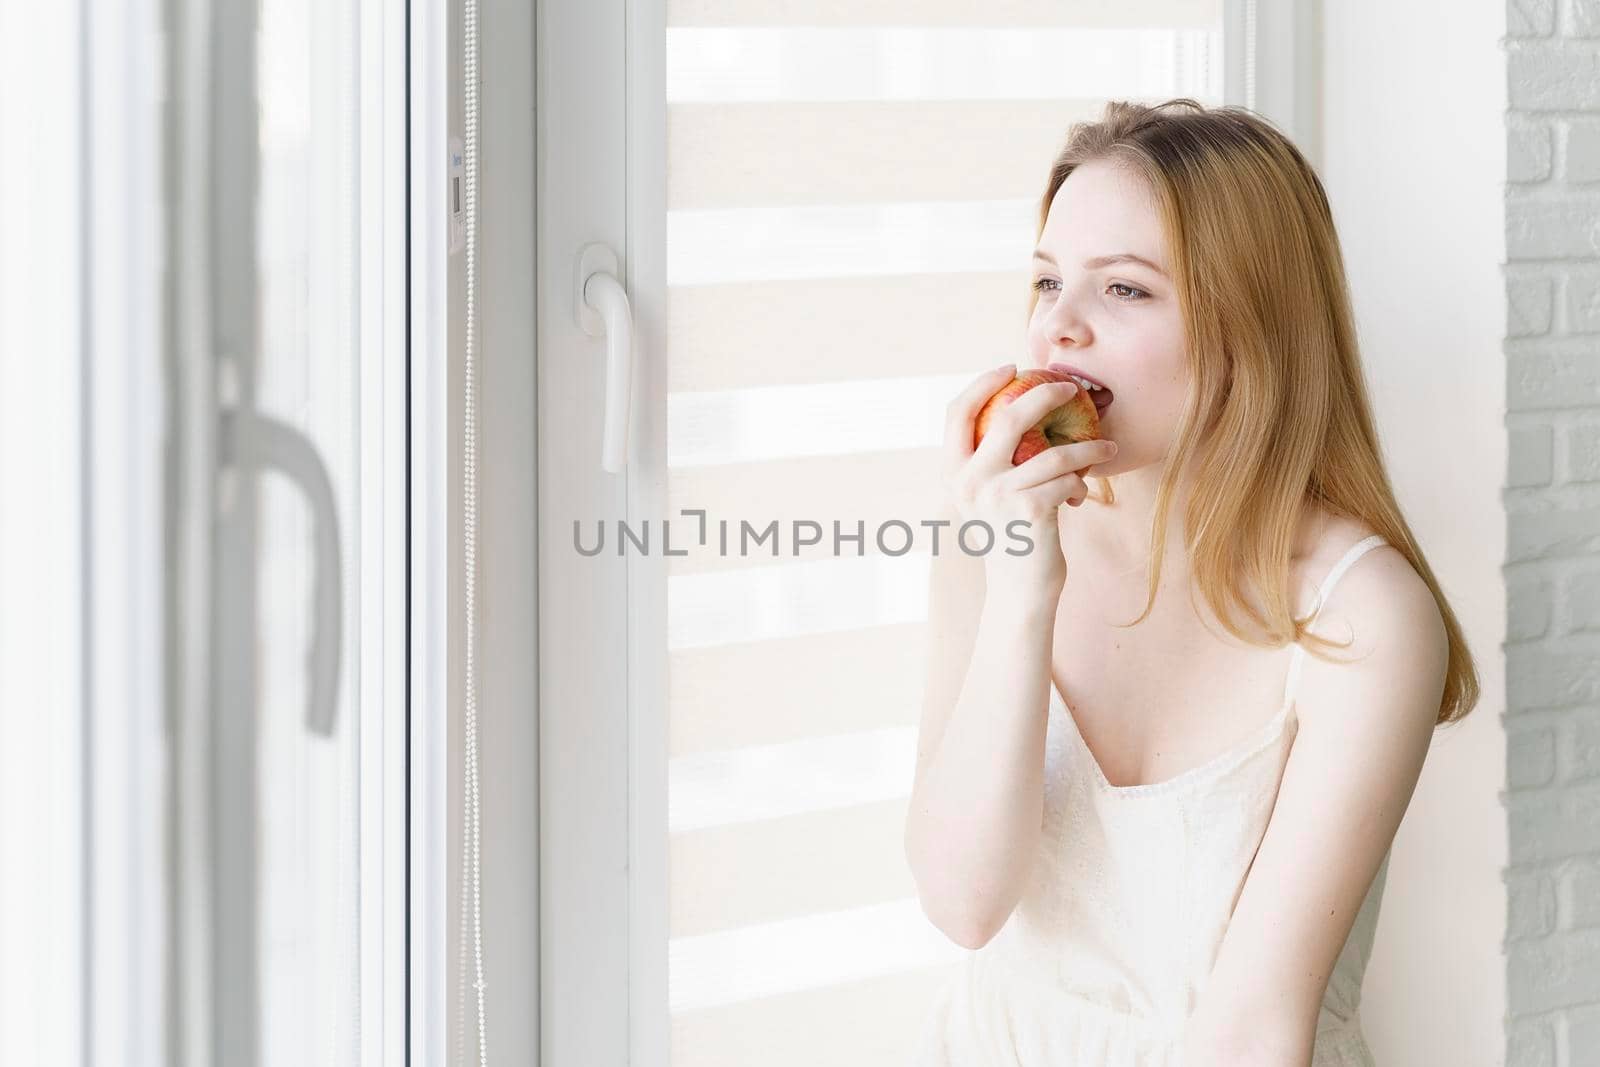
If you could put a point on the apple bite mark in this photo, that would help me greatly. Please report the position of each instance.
(1076, 420)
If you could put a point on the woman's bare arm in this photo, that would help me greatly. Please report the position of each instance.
(1365, 727)
(977, 800)
(973, 825)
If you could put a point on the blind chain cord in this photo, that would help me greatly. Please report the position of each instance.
(470, 876)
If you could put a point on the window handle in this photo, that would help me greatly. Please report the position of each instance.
(602, 308)
(265, 442)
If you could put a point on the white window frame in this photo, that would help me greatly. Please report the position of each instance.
(385, 370)
(429, 446)
(1272, 55)
(604, 702)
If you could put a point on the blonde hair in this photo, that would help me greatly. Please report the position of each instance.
(1277, 409)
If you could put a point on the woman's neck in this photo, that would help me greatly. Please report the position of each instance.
(1115, 538)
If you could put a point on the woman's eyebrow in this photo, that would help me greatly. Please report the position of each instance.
(1105, 261)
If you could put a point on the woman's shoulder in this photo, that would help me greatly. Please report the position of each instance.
(1381, 580)
(1379, 601)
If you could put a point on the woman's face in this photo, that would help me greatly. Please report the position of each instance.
(1117, 322)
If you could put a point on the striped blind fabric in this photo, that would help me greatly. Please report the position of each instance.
(852, 192)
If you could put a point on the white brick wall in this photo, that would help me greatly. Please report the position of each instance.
(1552, 498)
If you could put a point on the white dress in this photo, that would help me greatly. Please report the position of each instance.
(1104, 956)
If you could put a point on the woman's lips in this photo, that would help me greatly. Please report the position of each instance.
(1102, 397)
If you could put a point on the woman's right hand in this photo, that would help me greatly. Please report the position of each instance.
(981, 484)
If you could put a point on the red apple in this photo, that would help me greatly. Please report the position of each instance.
(1075, 420)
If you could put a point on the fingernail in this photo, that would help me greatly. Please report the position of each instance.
(1005, 367)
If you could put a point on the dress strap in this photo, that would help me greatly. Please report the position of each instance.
(1357, 550)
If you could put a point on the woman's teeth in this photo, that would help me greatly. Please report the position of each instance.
(1097, 393)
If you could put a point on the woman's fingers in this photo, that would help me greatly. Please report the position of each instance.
(962, 412)
(1073, 458)
(1067, 488)
(999, 442)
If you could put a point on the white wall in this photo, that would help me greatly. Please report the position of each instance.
(1414, 162)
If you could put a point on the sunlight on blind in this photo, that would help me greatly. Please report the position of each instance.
(852, 192)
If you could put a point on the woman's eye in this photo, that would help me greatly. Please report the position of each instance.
(1126, 293)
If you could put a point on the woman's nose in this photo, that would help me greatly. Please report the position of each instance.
(1064, 325)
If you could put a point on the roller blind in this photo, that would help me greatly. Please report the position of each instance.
(852, 190)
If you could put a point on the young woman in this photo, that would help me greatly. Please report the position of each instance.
(1162, 827)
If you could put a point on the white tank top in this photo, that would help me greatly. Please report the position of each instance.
(1111, 942)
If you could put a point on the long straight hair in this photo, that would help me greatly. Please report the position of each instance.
(1277, 411)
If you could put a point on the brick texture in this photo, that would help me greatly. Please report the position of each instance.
(1552, 496)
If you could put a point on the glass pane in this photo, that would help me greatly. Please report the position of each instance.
(216, 461)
